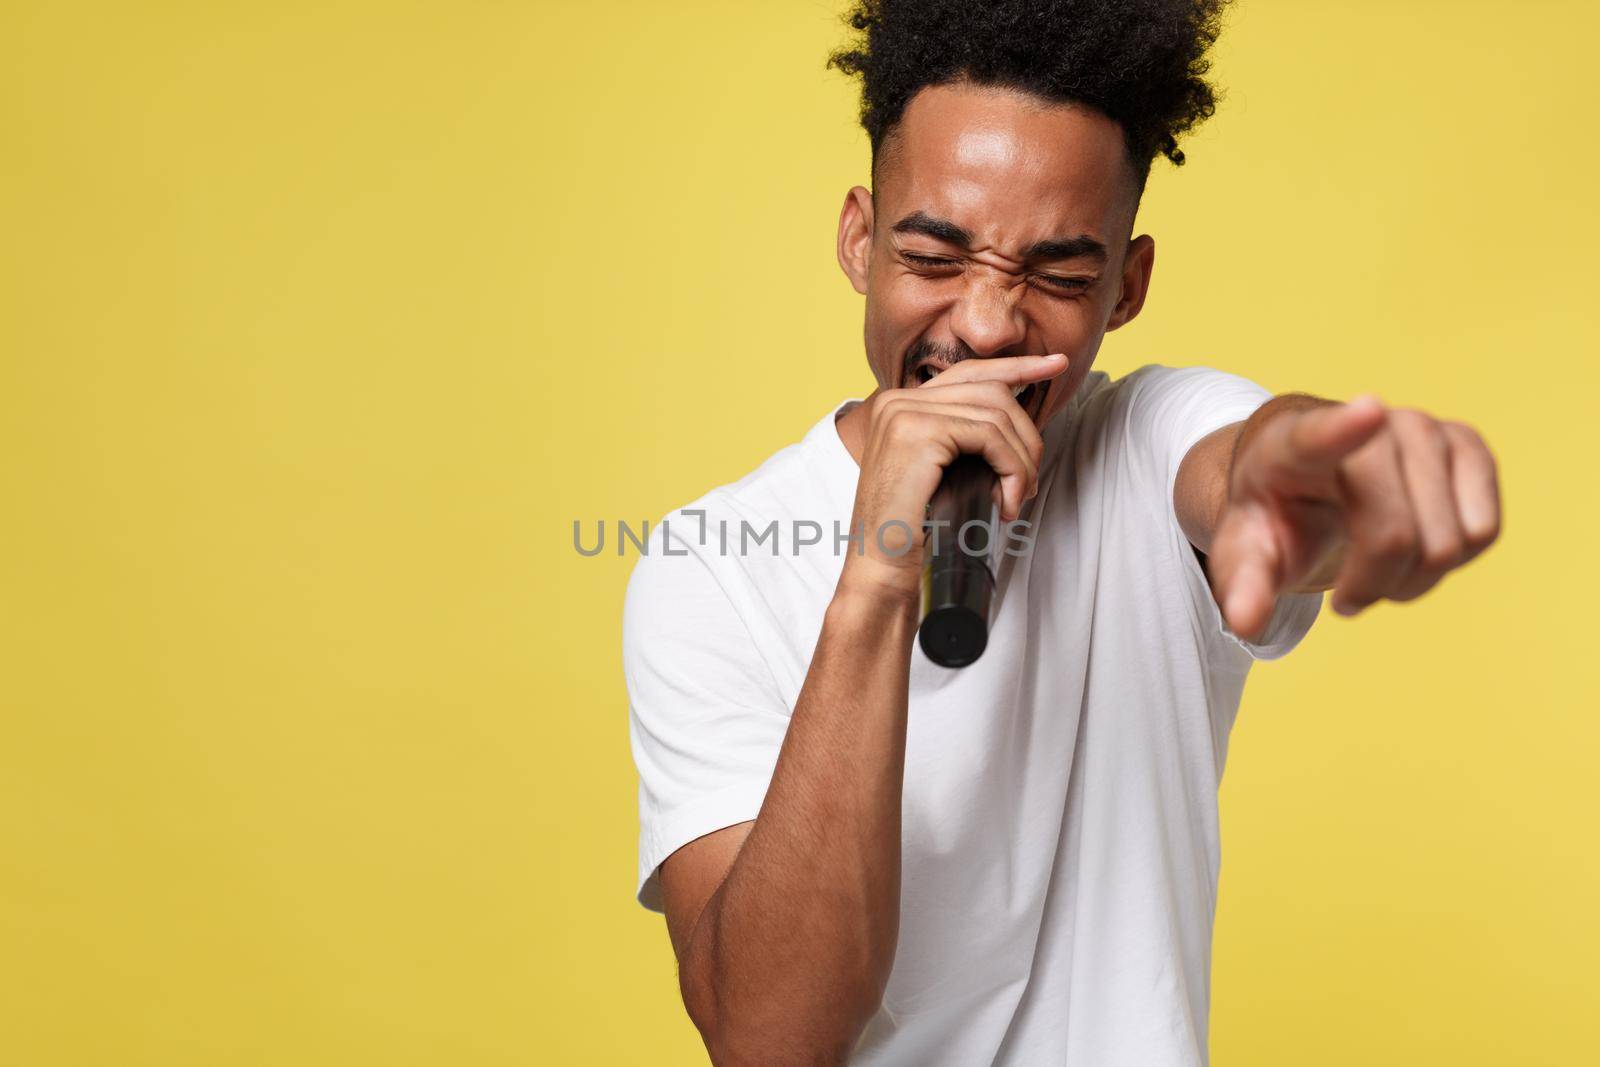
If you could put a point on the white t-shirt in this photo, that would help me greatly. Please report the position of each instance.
(1059, 823)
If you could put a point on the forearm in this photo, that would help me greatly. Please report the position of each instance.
(791, 954)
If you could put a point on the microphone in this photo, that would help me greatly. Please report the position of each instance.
(957, 582)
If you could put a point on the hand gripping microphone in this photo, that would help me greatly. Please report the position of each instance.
(957, 582)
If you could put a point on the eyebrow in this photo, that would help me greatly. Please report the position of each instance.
(1050, 248)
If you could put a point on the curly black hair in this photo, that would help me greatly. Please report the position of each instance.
(1140, 62)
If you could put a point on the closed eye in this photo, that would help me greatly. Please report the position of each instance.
(1055, 282)
(1070, 285)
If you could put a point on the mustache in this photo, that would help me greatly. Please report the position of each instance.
(930, 351)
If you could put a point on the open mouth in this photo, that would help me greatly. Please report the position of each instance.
(1031, 399)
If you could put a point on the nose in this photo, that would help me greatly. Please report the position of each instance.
(987, 317)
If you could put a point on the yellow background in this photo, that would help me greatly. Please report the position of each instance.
(320, 324)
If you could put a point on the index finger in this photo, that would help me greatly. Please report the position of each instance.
(1012, 370)
(1324, 435)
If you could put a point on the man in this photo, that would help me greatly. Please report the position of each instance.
(865, 857)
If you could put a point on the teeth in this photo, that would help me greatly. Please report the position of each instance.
(1018, 391)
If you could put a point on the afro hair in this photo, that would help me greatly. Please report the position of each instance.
(1140, 62)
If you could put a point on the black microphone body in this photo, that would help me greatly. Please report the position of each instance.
(957, 581)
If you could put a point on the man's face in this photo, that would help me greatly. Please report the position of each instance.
(1000, 227)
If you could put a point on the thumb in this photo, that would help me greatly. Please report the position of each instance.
(1324, 435)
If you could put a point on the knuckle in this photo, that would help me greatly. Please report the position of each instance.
(1393, 542)
(996, 392)
(1371, 459)
(900, 423)
(885, 403)
(1411, 417)
(1439, 441)
(1424, 427)
(1442, 555)
(1465, 434)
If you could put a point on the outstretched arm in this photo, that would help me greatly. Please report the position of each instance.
(1310, 494)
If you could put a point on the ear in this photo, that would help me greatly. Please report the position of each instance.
(855, 236)
(1136, 268)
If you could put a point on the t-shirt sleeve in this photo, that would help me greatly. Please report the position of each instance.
(705, 720)
(1169, 411)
